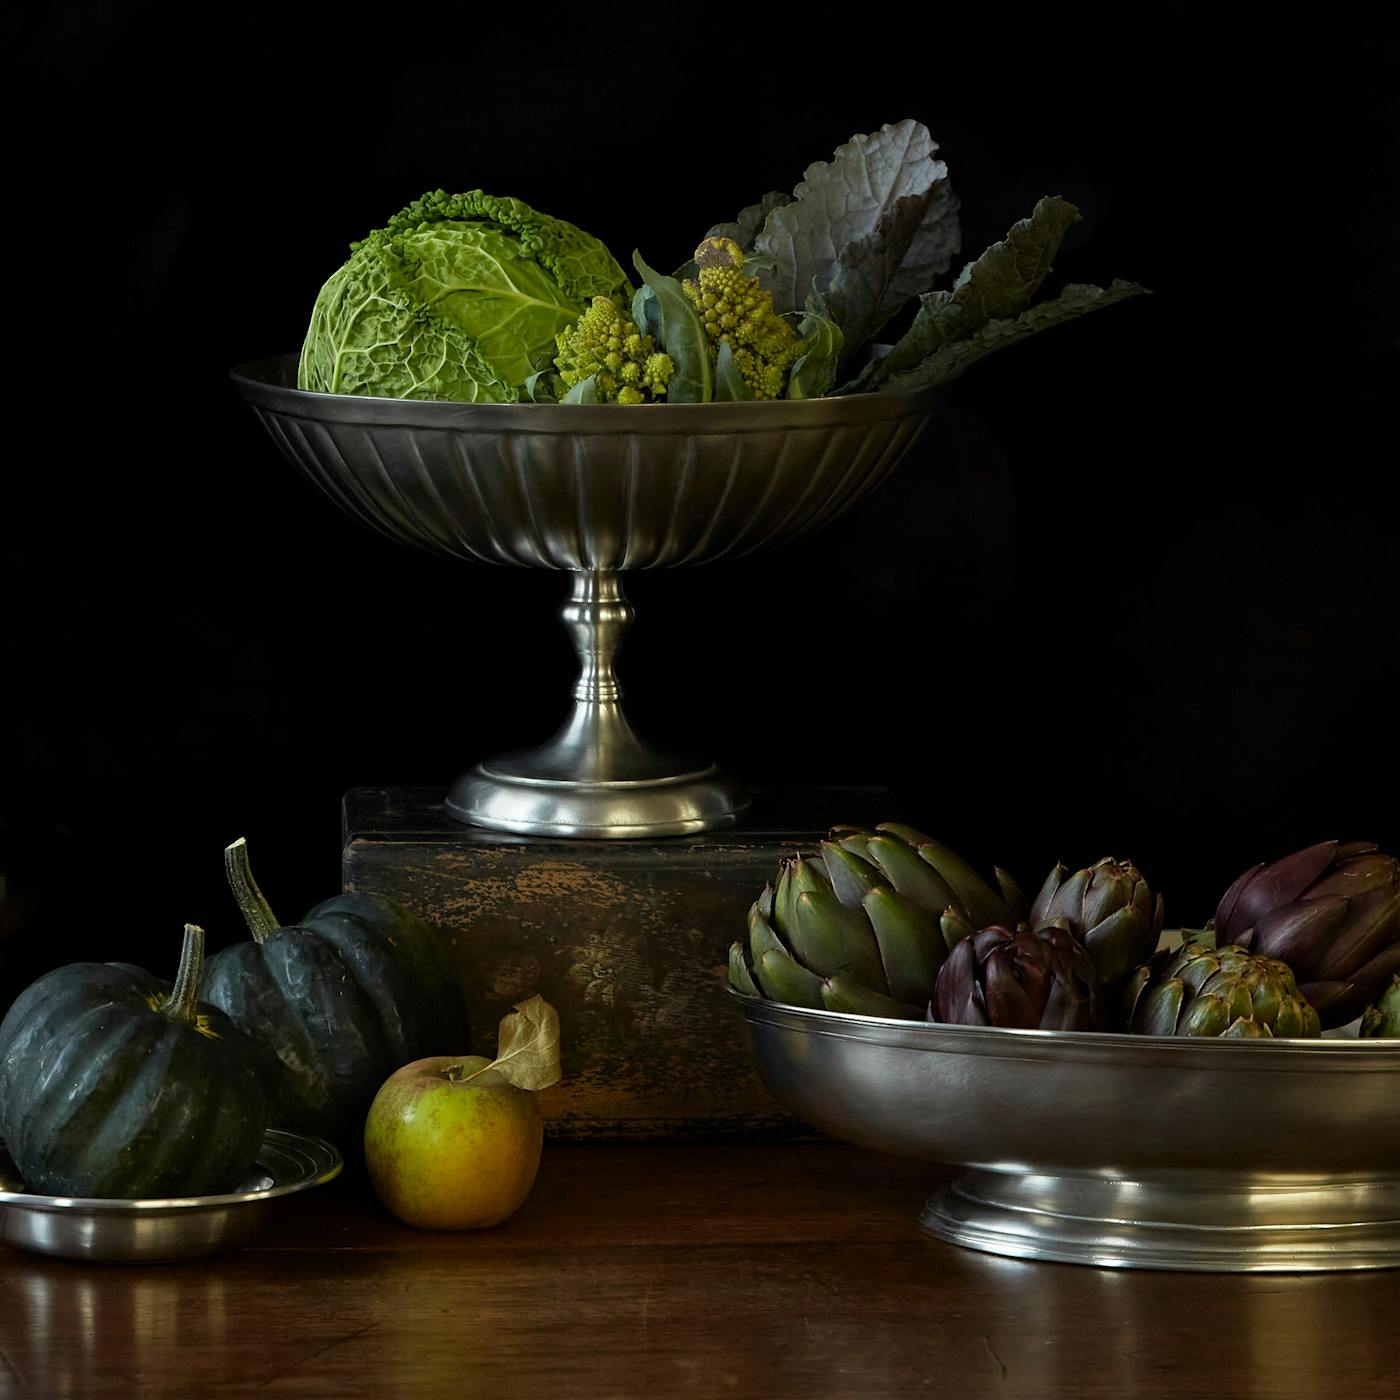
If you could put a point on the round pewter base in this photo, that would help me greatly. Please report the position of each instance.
(1262, 1225)
(672, 806)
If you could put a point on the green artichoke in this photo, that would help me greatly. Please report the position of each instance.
(865, 925)
(1199, 989)
(1110, 910)
(1382, 1017)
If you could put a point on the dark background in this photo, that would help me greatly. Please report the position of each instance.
(1135, 593)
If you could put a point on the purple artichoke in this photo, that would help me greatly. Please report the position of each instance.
(1331, 912)
(1031, 979)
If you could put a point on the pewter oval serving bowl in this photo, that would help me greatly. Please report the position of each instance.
(1114, 1150)
(177, 1227)
(595, 489)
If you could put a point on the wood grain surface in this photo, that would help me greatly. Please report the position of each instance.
(766, 1271)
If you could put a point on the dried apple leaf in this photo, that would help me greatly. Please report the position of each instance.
(527, 1050)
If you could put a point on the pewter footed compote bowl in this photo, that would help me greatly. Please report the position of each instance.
(596, 489)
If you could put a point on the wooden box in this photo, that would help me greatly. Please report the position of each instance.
(628, 939)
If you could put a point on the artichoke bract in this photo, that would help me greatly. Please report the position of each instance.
(1110, 909)
(1029, 979)
(1382, 1017)
(865, 925)
(1331, 912)
(1202, 990)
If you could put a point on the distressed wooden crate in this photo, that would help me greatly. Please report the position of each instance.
(628, 939)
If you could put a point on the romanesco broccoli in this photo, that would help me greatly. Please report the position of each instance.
(606, 343)
(733, 306)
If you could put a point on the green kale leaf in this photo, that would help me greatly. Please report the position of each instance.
(999, 284)
(746, 228)
(952, 358)
(867, 230)
(729, 383)
(814, 371)
(681, 336)
(990, 305)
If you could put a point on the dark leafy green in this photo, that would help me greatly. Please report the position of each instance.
(749, 224)
(681, 336)
(951, 359)
(814, 372)
(646, 313)
(585, 391)
(541, 387)
(729, 383)
(996, 286)
(868, 229)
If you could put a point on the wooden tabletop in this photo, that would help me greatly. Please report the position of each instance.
(765, 1271)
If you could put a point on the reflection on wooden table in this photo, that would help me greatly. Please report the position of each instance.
(752, 1271)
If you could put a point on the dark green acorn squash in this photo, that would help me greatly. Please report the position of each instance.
(339, 1001)
(115, 1084)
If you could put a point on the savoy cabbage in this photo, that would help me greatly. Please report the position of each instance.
(459, 297)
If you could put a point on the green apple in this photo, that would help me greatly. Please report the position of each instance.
(451, 1144)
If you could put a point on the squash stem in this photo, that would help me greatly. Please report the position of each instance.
(257, 913)
(184, 995)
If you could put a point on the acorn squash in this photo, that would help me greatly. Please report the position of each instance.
(115, 1084)
(338, 1001)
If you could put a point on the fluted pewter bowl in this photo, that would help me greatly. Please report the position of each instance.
(1117, 1150)
(595, 489)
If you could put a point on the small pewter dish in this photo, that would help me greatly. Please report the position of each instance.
(1122, 1151)
(180, 1227)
